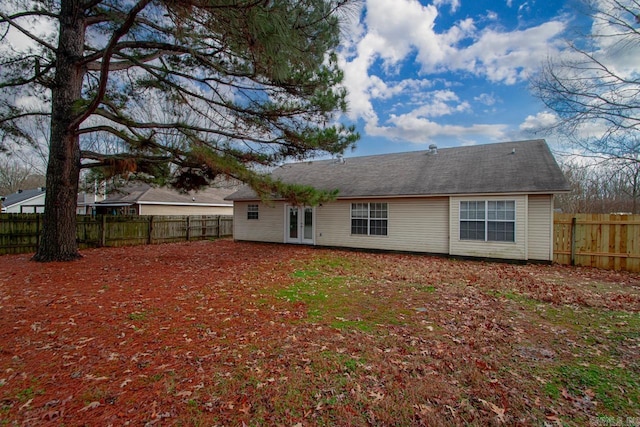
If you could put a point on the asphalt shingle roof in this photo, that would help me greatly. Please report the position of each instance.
(508, 167)
(21, 196)
(142, 193)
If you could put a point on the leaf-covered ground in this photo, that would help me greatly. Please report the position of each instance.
(226, 333)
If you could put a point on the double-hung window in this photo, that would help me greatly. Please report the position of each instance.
(252, 212)
(501, 220)
(369, 219)
(472, 220)
(492, 220)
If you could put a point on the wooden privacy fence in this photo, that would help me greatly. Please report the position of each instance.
(598, 240)
(20, 233)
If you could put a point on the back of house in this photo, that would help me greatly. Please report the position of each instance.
(489, 201)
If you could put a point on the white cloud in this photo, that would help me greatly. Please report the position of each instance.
(454, 4)
(394, 32)
(491, 15)
(539, 122)
(524, 7)
(544, 122)
(42, 27)
(397, 25)
(487, 99)
(508, 57)
(420, 130)
(439, 103)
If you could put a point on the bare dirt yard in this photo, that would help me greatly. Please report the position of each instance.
(229, 333)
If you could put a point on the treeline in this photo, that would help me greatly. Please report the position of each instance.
(604, 187)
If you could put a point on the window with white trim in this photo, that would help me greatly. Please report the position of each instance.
(252, 211)
(491, 220)
(369, 219)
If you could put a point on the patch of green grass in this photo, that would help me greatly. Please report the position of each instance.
(422, 288)
(609, 324)
(552, 389)
(138, 316)
(615, 389)
(344, 324)
(156, 377)
(305, 291)
(28, 393)
(515, 297)
(332, 288)
(305, 274)
(341, 362)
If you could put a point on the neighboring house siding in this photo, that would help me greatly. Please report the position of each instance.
(184, 210)
(506, 250)
(33, 205)
(416, 225)
(269, 227)
(540, 227)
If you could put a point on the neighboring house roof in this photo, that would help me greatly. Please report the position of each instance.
(509, 167)
(145, 194)
(22, 196)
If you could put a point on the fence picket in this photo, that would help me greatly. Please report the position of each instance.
(19, 233)
(593, 240)
(598, 240)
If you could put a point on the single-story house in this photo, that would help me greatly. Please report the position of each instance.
(144, 199)
(488, 201)
(24, 201)
(32, 201)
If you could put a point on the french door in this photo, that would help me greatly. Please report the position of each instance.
(300, 227)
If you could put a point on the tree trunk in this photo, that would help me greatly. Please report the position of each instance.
(58, 241)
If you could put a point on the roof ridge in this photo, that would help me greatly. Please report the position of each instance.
(464, 147)
(144, 193)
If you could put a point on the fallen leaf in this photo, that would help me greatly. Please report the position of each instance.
(91, 405)
(26, 405)
(495, 408)
(376, 395)
(566, 394)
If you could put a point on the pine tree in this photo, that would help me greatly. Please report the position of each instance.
(211, 87)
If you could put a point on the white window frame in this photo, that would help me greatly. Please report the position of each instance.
(490, 214)
(375, 214)
(253, 212)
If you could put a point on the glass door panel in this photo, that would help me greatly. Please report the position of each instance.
(308, 224)
(293, 222)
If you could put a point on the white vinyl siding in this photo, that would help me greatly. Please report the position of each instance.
(541, 227)
(184, 210)
(267, 228)
(33, 205)
(489, 249)
(416, 225)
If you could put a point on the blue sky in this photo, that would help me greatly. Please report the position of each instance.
(449, 72)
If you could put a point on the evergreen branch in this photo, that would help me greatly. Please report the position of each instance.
(13, 117)
(177, 126)
(106, 59)
(108, 159)
(10, 20)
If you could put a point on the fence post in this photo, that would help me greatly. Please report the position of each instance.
(103, 231)
(218, 230)
(188, 227)
(38, 218)
(573, 240)
(150, 230)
